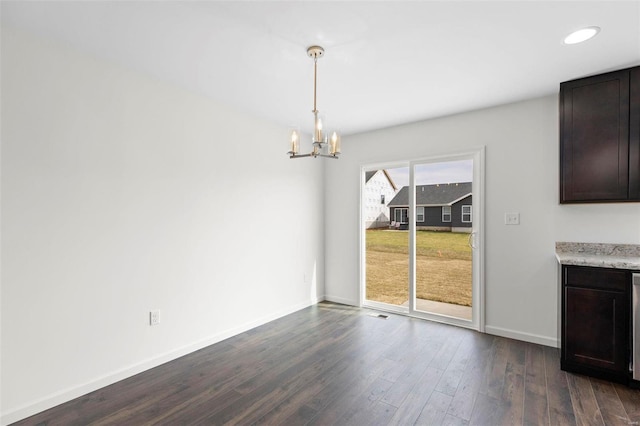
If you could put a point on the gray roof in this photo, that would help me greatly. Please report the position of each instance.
(443, 194)
(369, 175)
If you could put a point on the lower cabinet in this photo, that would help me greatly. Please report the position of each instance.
(595, 322)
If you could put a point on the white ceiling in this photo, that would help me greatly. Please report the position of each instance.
(386, 62)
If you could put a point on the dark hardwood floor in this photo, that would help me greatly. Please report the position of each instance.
(336, 365)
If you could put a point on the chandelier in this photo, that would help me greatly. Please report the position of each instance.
(320, 140)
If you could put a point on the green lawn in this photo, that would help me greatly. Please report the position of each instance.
(452, 245)
(443, 266)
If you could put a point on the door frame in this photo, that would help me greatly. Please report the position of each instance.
(478, 237)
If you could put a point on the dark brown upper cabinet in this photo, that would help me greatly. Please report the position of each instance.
(600, 138)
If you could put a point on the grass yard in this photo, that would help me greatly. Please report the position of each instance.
(443, 266)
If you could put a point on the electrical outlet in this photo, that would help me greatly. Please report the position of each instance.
(512, 218)
(154, 317)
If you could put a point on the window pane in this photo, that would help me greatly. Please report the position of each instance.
(466, 214)
(446, 213)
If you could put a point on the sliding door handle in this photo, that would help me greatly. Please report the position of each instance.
(472, 240)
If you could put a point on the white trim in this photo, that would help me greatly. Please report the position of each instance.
(361, 240)
(418, 214)
(444, 319)
(387, 307)
(525, 337)
(342, 301)
(461, 198)
(478, 226)
(70, 393)
(442, 214)
(470, 213)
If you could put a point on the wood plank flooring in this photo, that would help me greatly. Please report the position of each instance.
(337, 365)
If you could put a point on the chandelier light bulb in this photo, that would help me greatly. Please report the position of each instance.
(334, 144)
(318, 137)
(295, 142)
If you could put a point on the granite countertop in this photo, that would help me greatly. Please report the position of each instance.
(617, 256)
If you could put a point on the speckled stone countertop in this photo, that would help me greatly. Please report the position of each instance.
(617, 256)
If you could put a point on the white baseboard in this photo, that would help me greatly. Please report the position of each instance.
(341, 300)
(518, 335)
(106, 380)
(496, 331)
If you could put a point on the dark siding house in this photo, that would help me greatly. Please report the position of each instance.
(440, 207)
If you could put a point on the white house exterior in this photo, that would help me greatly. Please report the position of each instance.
(379, 190)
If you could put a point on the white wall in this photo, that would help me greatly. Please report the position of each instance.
(522, 168)
(122, 194)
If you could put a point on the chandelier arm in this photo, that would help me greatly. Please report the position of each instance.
(301, 155)
(311, 154)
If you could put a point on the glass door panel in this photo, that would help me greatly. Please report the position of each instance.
(385, 210)
(443, 226)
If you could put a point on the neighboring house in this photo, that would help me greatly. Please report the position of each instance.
(379, 189)
(441, 207)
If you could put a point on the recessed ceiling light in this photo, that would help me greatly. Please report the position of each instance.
(581, 35)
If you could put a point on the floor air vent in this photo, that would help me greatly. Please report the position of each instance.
(381, 316)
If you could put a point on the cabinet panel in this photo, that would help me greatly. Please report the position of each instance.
(595, 138)
(595, 328)
(597, 278)
(634, 134)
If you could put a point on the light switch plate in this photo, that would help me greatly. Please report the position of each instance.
(154, 317)
(512, 218)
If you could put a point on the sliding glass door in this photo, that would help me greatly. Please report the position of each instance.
(428, 261)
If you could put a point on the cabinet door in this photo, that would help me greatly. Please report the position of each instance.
(594, 138)
(595, 328)
(634, 135)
